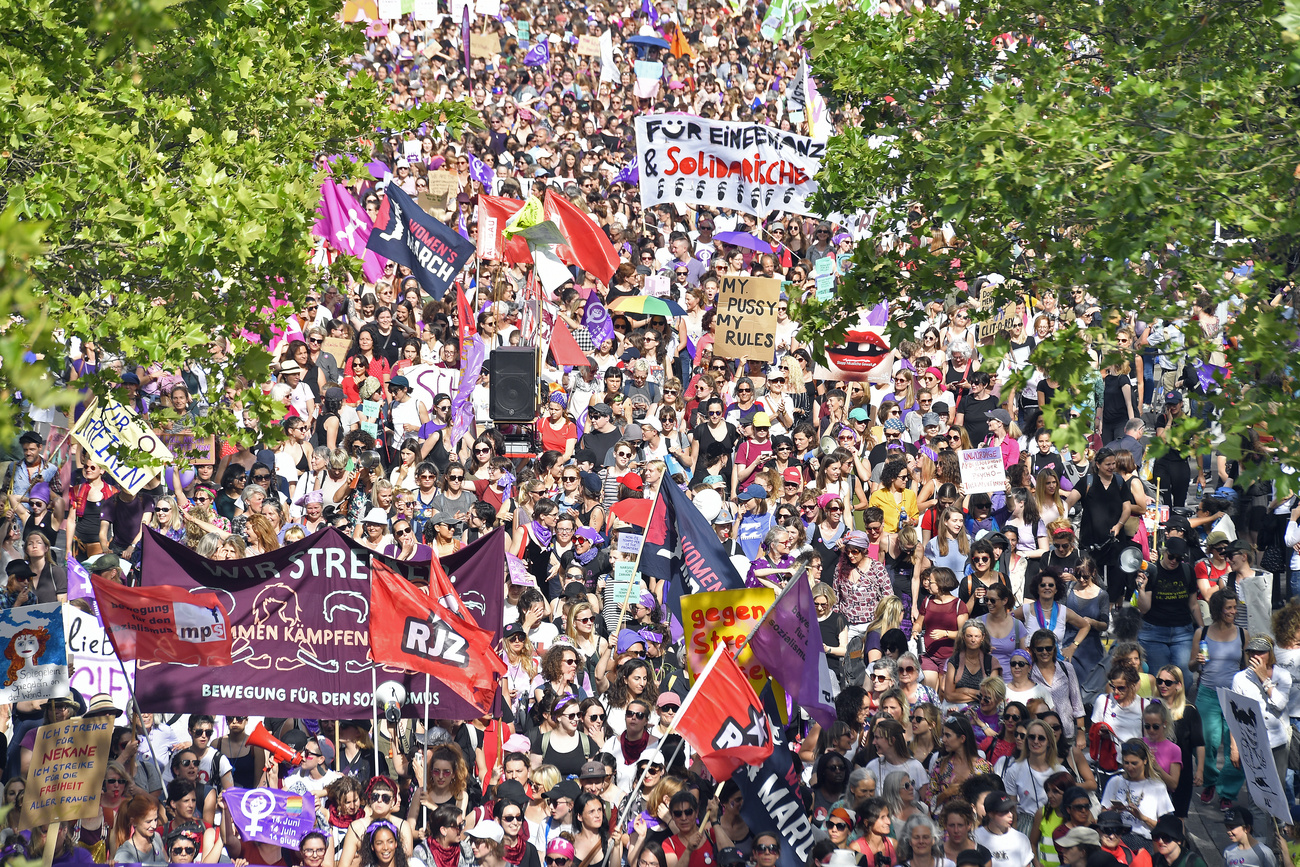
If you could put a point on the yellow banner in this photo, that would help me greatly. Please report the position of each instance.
(115, 438)
(725, 616)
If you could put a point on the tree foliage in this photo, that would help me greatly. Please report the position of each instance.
(169, 152)
(1114, 146)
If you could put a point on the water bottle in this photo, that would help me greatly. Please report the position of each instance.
(1205, 649)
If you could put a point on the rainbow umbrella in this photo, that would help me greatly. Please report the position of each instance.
(647, 305)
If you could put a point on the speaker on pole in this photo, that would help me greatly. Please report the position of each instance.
(512, 384)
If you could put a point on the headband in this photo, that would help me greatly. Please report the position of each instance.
(382, 823)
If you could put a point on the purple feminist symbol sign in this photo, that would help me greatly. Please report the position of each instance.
(271, 815)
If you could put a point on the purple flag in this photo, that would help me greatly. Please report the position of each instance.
(378, 169)
(79, 584)
(345, 226)
(789, 645)
(596, 320)
(272, 816)
(462, 408)
(879, 314)
(539, 54)
(464, 34)
(648, 8)
(460, 224)
(1207, 373)
(481, 171)
(631, 173)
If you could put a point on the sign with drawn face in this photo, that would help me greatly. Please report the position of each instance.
(35, 653)
(299, 619)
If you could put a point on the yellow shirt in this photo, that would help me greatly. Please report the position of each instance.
(885, 501)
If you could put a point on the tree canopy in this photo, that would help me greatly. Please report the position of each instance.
(161, 161)
(1146, 150)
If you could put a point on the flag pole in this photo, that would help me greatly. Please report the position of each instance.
(374, 716)
(130, 690)
(428, 695)
(672, 727)
(622, 613)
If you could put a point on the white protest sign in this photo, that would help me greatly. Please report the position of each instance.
(982, 471)
(746, 318)
(657, 284)
(725, 164)
(390, 10)
(1245, 719)
(95, 666)
(425, 10)
(120, 443)
(629, 543)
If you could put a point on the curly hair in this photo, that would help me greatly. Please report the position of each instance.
(451, 754)
(368, 856)
(619, 695)
(16, 662)
(553, 662)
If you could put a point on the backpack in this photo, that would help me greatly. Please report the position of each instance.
(1103, 743)
(855, 662)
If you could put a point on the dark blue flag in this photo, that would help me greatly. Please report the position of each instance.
(407, 235)
(680, 544)
(773, 804)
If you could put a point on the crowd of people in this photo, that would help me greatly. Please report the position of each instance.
(991, 650)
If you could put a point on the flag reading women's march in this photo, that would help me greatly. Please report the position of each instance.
(407, 235)
(725, 164)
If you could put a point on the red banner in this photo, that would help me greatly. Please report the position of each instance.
(493, 212)
(726, 724)
(164, 624)
(432, 634)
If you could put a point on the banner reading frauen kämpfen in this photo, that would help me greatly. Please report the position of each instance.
(745, 166)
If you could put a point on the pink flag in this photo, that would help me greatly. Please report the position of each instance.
(345, 226)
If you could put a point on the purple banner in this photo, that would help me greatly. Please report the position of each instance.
(271, 815)
(345, 226)
(300, 620)
(462, 408)
(789, 645)
(595, 318)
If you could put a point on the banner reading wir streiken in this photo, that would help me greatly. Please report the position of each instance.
(725, 164)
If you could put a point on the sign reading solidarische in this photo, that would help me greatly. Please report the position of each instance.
(69, 761)
(982, 471)
(746, 318)
(725, 164)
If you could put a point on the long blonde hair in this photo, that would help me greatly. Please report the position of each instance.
(889, 615)
(1176, 703)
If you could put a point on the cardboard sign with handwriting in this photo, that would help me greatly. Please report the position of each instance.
(337, 347)
(483, 45)
(589, 46)
(746, 320)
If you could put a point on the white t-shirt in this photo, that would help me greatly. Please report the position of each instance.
(1011, 849)
(1028, 785)
(880, 769)
(1036, 690)
(1149, 796)
(1126, 721)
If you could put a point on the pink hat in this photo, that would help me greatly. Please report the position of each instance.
(518, 744)
(560, 847)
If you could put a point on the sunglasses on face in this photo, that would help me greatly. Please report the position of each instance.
(1019, 663)
(387, 797)
(182, 850)
(767, 848)
(683, 814)
(1165, 681)
(837, 826)
(637, 714)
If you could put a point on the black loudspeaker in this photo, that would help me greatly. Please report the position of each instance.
(512, 388)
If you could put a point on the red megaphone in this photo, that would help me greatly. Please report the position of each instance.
(260, 737)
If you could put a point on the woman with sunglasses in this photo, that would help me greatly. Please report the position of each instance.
(1045, 609)
(383, 800)
(1061, 681)
(1185, 732)
(860, 582)
(1027, 778)
(827, 532)
(1137, 791)
(185, 766)
(895, 498)
(182, 806)
(715, 431)
(445, 782)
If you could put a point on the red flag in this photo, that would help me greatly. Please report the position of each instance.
(418, 632)
(588, 248)
(493, 212)
(726, 724)
(465, 322)
(565, 349)
(164, 623)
